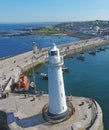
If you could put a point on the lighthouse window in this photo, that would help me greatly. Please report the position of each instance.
(53, 53)
(61, 95)
(60, 82)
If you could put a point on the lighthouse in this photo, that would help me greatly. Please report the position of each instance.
(57, 107)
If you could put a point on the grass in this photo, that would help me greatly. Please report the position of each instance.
(49, 31)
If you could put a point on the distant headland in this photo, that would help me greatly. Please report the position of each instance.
(83, 30)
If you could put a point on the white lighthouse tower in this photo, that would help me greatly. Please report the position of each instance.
(57, 108)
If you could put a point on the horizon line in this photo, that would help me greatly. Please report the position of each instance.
(51, 21)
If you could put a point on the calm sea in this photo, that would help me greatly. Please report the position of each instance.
(14, 45)
(89, 78)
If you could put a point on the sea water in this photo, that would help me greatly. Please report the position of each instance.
(19, 44)
(15, 45)
(88, 78)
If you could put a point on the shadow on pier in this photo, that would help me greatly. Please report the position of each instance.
(30, 121)
(3, 121)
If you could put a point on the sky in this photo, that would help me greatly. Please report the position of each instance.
(24, 11)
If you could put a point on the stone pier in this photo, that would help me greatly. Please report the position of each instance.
(22, 114)
(11, 67)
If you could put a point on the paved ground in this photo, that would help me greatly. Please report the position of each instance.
(24, 114)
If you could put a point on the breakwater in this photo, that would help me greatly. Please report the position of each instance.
(12, 66)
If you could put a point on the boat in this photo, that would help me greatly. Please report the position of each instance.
(65, 69)
(44, 76)
(92, 52)
(101, 49)
(21, 85)
(81, 57)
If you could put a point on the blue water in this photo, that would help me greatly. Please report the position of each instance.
(13, 28)
(14, 45)
(89, 78)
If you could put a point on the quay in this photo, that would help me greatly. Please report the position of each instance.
(22, 114)
(11, 67)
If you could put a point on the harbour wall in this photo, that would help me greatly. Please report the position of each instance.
(14, 65)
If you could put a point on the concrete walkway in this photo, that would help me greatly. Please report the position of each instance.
(24, 114)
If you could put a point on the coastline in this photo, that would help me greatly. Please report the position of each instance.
(77, 35)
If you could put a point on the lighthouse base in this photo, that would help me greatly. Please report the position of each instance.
(57, 118)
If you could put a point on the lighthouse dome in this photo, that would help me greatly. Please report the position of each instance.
(54, 56)
(54, 51)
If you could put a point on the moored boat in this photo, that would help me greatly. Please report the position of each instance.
(65, 69)
(81, 57)
(101, 49)
(44, 76)
(21, 85)
(92, 52)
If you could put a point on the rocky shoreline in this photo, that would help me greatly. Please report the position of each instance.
(78, 35)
